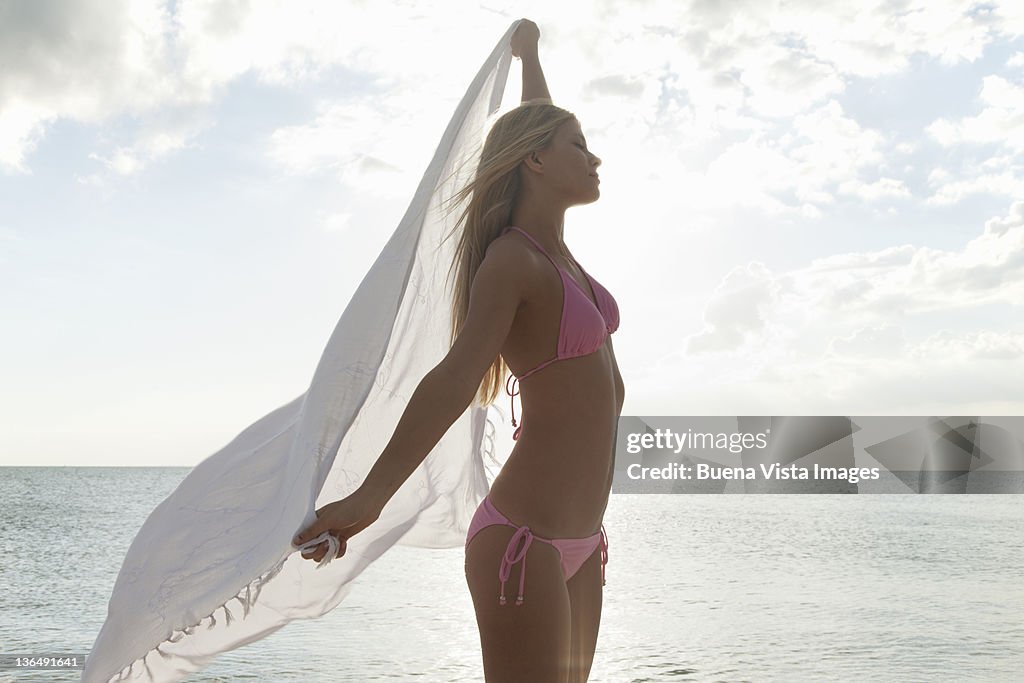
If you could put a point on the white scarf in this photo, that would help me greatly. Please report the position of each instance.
(213, 566)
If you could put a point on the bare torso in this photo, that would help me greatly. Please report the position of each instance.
(558, 476)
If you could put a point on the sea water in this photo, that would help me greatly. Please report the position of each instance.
(699, 588)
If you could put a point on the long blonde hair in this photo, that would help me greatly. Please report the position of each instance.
(494, 189)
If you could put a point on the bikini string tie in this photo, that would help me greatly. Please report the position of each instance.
(513, 392)
(604, 552)
(510, 558)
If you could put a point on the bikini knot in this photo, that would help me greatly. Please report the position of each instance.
(512, 556)
(604, 553)
(514, 381)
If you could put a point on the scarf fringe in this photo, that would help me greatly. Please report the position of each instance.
(246, 596)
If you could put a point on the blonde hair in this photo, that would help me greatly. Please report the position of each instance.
(493, 192)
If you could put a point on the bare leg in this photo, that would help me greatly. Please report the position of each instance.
(531, 641)
(585, 599)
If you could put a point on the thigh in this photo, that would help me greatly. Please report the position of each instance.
(527, 642)
(585, 598)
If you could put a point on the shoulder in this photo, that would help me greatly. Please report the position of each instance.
(509, 263)
(511, 253)
(510, 242)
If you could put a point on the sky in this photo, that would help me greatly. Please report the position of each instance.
(807, 208)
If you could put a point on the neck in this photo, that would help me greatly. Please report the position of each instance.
(548, 233)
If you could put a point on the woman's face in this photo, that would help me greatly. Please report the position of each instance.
(570, 168)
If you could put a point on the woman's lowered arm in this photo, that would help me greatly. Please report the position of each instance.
(498, 289)
(447, 390)
(444, 393)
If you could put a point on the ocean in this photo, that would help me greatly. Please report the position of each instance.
(772, 587)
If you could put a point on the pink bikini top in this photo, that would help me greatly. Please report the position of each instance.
(583, 327)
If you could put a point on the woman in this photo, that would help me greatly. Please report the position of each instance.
(522, 298)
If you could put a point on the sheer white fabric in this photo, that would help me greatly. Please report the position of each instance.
(213, 567)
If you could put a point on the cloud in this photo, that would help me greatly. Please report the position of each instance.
(94, 61)
(732, 68)
(830, 146)
(374, 146)
(160, 137)
(1001, 119)
(783, 82)
(821, 153)
(970, 346)
(85, 61)
(618, 85)
(21, 129)
(336, 222)
(1002, 225)
(870, 192)
(871, 342)
(1007, 184)
(865, 39)
(999, 124)
(856, 334)
(863, 292)
(737, 310)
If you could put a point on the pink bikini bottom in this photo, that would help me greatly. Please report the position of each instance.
(573, 551)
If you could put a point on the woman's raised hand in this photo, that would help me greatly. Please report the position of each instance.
(343, 519)
(526, 37)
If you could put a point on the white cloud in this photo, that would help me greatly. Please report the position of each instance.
(737, 310)
(823, 149)
(949, 190)
(109, 58)
(969, 346)
(881, 188)
(784, 82)
(988, 270)
(831, 146)
(85, 61)
(748, 173)
(866, 39)
(336, 222)
(863, 290)
(792, 174)
(150, 144)
(1000, 123)
(683, 102)
(334, 138)
(1001, 120)
(375, 147)
(874, 341)
(838, 332)
(1008, 18)
(1000, 225)
(21, 128)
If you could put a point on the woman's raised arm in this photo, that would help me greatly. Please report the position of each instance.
(524, 45)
